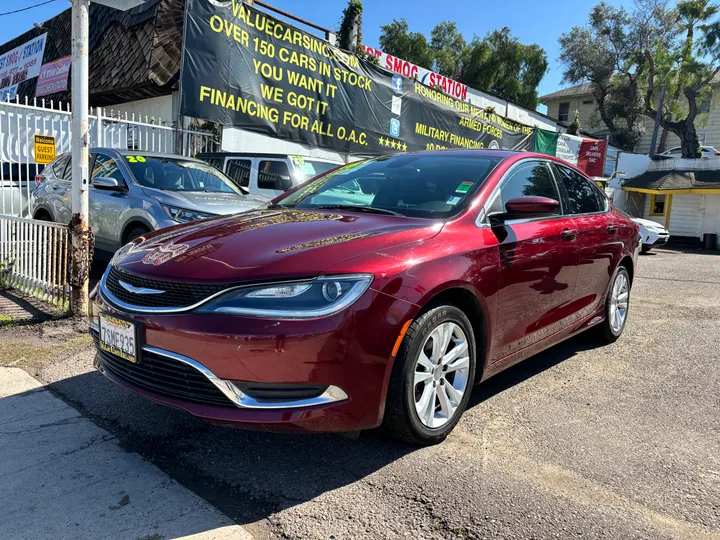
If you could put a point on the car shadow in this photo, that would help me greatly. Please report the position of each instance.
(530, 368)
(250, 475)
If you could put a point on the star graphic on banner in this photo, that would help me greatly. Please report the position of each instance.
(404, 147)
(381, 141)
(393, 144)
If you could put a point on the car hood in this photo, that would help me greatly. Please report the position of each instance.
(648, 223)
(268, 244)
(210, 203)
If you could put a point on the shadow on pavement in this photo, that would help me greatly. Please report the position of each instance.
(249, 475)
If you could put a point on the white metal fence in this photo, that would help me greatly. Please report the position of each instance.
(34, 257)
(20, 121)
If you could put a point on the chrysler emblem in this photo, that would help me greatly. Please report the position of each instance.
(138, 290)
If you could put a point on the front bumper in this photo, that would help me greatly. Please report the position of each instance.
(349, 354)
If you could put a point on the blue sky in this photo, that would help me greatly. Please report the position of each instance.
(532, 21)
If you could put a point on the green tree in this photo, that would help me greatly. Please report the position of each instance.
(602, 54)
(351, 16)
(448, 46)
(397, 40)
(686, 67)
(497, 63)
(500, 64)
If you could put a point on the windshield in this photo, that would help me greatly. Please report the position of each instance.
(178, 174)
(308, 168)
(415, 185)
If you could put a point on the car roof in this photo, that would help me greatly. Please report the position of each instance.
(142, 153)
(204, 155)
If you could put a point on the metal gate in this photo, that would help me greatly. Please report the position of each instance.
(34, 258)
(19, 122)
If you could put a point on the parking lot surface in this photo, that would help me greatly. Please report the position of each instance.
(621, 441)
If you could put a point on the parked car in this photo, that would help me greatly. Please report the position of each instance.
(707, 152)
(269, 175)
(652, 234)
(133, 193)
(329, 317)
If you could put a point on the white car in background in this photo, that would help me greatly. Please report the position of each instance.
(652, 234)
(707, 152)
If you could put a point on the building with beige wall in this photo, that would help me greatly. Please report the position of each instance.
(563, 104)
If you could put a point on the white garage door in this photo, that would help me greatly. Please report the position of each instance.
(685, 216)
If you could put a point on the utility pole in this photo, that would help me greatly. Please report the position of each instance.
(80, 229)
(653, 140)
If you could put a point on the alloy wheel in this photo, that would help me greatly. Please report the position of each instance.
(441, 374)
(619, 303)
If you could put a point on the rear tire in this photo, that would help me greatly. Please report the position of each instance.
(432, 377)
(645, 248)
(617, 307)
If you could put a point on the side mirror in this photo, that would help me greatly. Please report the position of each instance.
(108, 184)
(525, 207)
(286, 182)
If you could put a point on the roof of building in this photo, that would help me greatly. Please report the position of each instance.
(134, 54)
(583, 89)
(674, 180)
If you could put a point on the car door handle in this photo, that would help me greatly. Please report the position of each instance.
(612, 228)
(569, 234)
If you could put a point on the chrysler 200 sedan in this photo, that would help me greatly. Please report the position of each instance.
(315, 314)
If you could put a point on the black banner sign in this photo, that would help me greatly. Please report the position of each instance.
(244, 68)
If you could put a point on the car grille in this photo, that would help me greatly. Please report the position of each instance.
(166, 376)
(177, 294)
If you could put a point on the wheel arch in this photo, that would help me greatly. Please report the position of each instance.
(627, 262)
(132, 224)
(43, 209)
(466, 298)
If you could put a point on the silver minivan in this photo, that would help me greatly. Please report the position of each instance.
(133, 193)
(269, 175)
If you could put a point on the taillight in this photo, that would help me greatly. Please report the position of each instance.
(717, 153)
(39, 179)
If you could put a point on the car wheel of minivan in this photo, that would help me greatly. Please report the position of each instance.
(617, 305)
(432, 377)
(134, 233)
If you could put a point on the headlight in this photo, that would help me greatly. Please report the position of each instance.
(183, 215)
(307, 299)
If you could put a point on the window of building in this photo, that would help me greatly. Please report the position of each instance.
(657, 205)
(564, 111)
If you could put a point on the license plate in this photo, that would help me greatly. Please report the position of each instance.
(118, 337)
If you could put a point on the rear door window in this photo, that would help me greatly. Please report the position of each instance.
(582, 195)
(62, 167)
(274, 175)
(239, 171)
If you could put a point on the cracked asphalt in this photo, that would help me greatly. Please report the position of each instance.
(621, 441)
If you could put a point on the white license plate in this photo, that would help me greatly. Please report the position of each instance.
(118, 337)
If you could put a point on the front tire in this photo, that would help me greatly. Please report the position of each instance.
(432, 377)
(617, 305)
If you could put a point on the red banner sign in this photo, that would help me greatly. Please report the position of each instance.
(591, 157)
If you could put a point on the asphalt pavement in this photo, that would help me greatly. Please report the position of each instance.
(621, 441)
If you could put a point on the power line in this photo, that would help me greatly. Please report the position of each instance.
(26, 8)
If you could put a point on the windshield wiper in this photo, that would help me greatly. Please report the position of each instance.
(357, 208)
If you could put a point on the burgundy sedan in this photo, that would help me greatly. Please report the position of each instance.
(376, 294)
